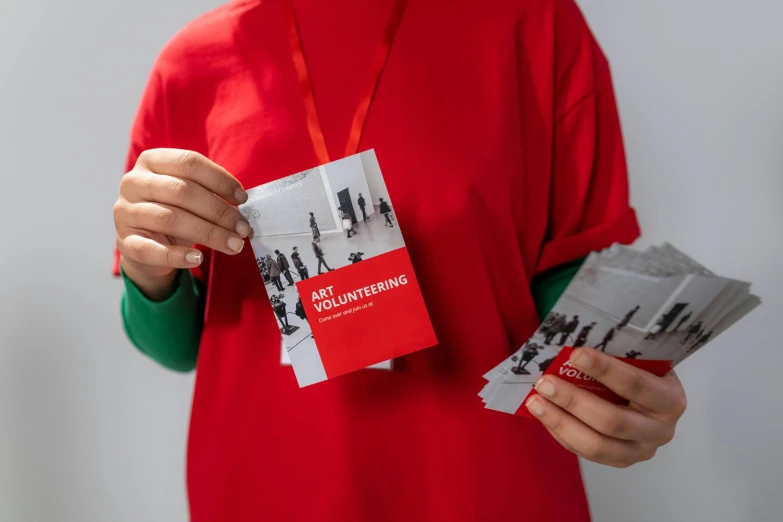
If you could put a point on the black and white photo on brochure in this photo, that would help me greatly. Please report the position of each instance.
(313, 222)
(657, 304)
(625, 314)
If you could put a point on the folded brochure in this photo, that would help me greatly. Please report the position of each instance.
(336, 270)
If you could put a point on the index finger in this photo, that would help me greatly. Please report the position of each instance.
(638, 386)
(187, 164)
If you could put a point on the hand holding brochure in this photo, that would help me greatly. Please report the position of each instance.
(336, 269)
(652, 309)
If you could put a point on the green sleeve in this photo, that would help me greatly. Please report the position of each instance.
(549, 286)
(167, 331)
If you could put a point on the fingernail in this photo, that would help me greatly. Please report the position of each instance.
(240, 195)
(534, 406)
(545, 387)
(194, 258)
(235, 244)
(243, 228)
(582, 360)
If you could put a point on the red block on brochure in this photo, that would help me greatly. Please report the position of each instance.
(561, 368)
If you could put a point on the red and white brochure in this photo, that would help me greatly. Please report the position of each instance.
(651, 309)
(337, 273)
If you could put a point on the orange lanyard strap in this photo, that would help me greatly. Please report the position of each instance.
(306, 86)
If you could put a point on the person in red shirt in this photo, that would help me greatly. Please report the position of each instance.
(497, 131)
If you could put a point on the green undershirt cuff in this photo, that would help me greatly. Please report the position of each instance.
(547, 287)
(167, 331)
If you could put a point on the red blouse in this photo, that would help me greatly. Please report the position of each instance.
(496, 128)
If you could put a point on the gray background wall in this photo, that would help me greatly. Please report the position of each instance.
(89, 431)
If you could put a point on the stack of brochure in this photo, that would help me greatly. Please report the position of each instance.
(653, 309)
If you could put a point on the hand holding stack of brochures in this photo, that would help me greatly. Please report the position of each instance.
(654, 307)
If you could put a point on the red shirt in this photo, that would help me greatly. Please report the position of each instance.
(496, 128)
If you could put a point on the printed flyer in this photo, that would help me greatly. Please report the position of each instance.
(652, 309)
(336, 270)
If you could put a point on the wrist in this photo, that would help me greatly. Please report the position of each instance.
(156, 283)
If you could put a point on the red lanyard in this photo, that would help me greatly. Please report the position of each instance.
(306, 86)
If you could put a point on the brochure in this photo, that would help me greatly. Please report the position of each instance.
(337, 273)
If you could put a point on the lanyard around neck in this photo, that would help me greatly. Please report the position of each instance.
(306, 85)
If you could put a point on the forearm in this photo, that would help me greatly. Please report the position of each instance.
(167, 331)
(155, 287)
